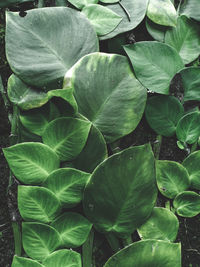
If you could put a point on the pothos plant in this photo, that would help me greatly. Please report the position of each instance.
(71, 103)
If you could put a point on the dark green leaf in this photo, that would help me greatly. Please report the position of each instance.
(25, 262)
(190, 8)
(7, 3)
(155, 30)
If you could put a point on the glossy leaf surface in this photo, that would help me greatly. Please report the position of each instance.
(187, 204)
(45, 51)
(191, 8)
(73, 229)
(153, 71)
(20, 262)
(172, 178)
(67, 184)
(39, 240)
(114, 196)
(163, 113)
(161, 225)
(31, 162)
(66, 136)
(151, 253)
(107, 93)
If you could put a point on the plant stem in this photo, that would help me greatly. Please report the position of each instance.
(40, 3)
(113, 242)
(127, 241)
(3, 93)
(167, 205)
(17, 238)
(157, 146)
(87, 249)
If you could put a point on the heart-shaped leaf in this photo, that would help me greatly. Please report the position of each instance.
(20, 261)
(153, 71)
(45, 51)
(37, 204)
(162, 225)
(107, 93)
(73, 229)
(39, 240)
(190, 8)
(31, 162)
(67, 184)
(172, 178)
(114, 196)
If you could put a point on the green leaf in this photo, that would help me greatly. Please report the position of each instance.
(155, 64)
(22, 262)
(37, 204)
(67, 184)
(187, 204)
(162, 12)
(109, 1)
(190, 8)
(163, 113)
(155, 30)
(80, 4)
(132, 12)
(191, 163)
(162, 225)
(172, 178)
(66, 136)
(107, 93)
(190, 78)
(31, 162)
(102, 18)
(185, 39)
(44, 51)
(73, 229)
(151, 253)
(188, 128)
(7, 3)
(114, 196)
(39, 240)
(63, 258)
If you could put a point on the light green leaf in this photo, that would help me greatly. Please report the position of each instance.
(162, 225)
(63, 258)
(190, 8)
(107, 93)
(7, 3)
(151, 253)
(188, 128)
(24, 262)
(102, 19)
(80, 4)
(155, 30)
(163, 113)
(185, 38)
(109, 1)
(37, 204)
(66, 136)
(191, 163)
(67, 184)
(73, 229)
(162, 12)
(39, 240)
(114, 196)
(45, 51)
(172, 178)
(31, 162)
(132, 12)
(153, 71)
(187, 204)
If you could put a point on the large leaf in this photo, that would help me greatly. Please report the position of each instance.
(151, 253)
(107, 93)
(191, 163)
(162, 12)
(39, 240)
(31, 162)
(20, 262)
(155, 64)
(102, 18)
(66, 136)
(187, 204)
(51, 41)
(73, 229)
(162, 225)
(7, 3)
(67, 184)
(80, 4)
(121, 192)
(132, 12)
(63, 258)
(163, 113)
(190, 8)
(185, 39)
(37, 204)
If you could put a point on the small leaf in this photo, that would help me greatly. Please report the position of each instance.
(20, 262)
(161, 225)
(31, 162)
(102, 19)
(187, 204)
(162, 12)
(155, 30)
(80, 4)
(39, 240)
(73, 229)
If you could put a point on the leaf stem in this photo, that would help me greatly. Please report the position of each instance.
(125, 10)
(17, 238)
(87, 250)
(113, 242)
(157, 146)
